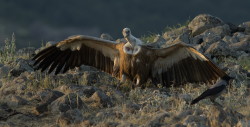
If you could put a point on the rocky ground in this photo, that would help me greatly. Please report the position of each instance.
(88, 97)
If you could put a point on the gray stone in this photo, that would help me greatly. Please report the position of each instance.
(4, 71)
(219, 48)
(185, 97)
(197, 39)
(203, 22)
(110, 124)
(18, 120)
(240, 36)
(157, 42)
(222, 30)
(127, 124)
(243, 123)
(157, 120)
(82, 91)
(225, 116)
(131, 108)
(15, 101)
(246, 26)
(198, 120)
(21, 66)
(46, 97)
(17, 87)
(101, 99)
(90, 77)
(241, 46)
(230, 39)
(183, 114)
(67, 102)
(174, 35)
(4, 124)
(71, 117)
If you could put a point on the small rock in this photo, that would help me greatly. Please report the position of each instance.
(227, 116)
(203, 22)
(4, 124)
(246, 26)
(101, 99)
(198, 120)
(241, 46)
(127, 124)
(183, 114)
(87, 91)
(67, 102)
(16, 72)
(178, 125)
(4, 71)
(157, 42)
(230, 39)
(15, 101)
(185, 97)
(243, 123)
(90, 77)
(176, 35)
(131, 108)
(157, 120)
(240, 36)
(21, 66)
(219, 48)
(18, 120)
(107, 124)
(72, 117)
(221, 31)
(46, 97)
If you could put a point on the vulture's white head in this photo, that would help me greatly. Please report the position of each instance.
(126, 32)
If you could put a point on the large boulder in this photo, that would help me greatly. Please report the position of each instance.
(203, 22)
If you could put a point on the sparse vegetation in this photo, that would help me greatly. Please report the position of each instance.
(7, 53)
(149, 38)
(177, 26)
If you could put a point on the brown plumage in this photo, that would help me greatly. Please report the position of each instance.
(176, 64)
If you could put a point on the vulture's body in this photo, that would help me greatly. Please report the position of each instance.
(174, 65)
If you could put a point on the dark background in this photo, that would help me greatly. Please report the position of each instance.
(38, 21)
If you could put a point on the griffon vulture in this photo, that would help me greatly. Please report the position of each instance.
(173, 65)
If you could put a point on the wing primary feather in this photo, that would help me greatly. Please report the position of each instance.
(61, 57)
(59, 67)
(68, 63)
(48, 60)
(73, 61)
(78, 63)
(39, 57)
(44, 51)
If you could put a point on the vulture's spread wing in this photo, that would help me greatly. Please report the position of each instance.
(76, 51)
(182, 63)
